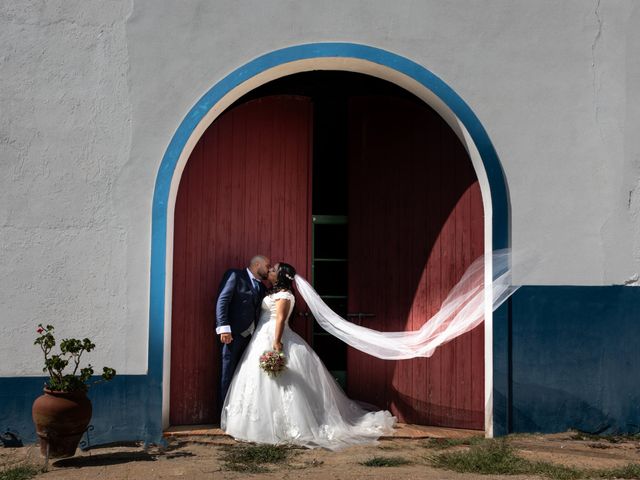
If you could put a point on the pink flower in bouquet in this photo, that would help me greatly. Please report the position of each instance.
(272, 362)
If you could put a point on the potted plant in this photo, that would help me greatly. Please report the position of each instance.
(62, 413)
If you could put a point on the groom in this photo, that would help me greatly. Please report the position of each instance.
(237, 310)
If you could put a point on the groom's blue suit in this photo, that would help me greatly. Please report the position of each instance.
(237, 310)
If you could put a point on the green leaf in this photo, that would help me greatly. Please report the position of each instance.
(85, 373)
(108, 373)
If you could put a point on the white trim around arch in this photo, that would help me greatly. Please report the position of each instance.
(357, 65)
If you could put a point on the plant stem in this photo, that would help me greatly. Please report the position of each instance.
(46, 357)
(76, 359)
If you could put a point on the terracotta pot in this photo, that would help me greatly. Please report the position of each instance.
(61, 418)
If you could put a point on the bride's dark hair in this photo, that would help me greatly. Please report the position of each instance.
(286, 273)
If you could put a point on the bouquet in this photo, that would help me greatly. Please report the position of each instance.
(273, 362)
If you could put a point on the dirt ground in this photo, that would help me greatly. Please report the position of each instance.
(200, 458)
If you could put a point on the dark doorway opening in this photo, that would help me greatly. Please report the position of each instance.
(331, 93)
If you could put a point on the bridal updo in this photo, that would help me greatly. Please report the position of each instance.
(284, 281)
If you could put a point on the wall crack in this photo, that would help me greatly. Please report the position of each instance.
(595, 80)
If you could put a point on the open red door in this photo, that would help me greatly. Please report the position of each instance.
(415, 224)
(245, 190)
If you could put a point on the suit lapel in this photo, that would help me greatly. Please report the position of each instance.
(247, 279)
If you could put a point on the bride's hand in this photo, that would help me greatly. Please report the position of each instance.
(277, 346)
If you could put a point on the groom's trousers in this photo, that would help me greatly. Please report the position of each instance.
(231, 353)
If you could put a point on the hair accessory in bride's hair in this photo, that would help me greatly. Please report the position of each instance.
(288, 276)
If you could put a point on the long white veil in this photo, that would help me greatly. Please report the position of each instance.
(461, 311)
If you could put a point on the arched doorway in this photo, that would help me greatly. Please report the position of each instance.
(313, 57)
(370, 194)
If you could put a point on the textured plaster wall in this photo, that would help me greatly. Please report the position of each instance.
(65, 141)
(92, 91)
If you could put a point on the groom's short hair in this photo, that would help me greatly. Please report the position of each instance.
(257, 258)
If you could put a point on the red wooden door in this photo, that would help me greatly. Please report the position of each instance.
(415, 224)
(245, 190)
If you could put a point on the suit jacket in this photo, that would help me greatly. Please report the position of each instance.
(238, 304)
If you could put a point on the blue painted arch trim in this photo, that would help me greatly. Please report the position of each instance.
(499, 194)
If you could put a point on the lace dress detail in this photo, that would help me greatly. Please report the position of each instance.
(304, 405)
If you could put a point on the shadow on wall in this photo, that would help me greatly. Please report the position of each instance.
(441, 414)
(568, 409)
(575, 359)
(120, 408)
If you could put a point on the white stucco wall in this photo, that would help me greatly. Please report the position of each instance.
(65, 140)
(91, 93)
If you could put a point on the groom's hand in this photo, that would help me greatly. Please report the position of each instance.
(226, 338)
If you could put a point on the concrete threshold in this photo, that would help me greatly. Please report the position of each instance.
(402, 430)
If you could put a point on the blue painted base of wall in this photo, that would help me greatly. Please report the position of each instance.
(569, 358)
(127, 408)
(575, 359)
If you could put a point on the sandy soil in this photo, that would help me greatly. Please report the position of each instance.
(200, 458)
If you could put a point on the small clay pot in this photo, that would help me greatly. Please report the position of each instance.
(61, 418)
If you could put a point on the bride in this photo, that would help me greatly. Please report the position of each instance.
(304, 405)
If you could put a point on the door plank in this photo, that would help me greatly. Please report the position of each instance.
(415, 224)
(244, 191)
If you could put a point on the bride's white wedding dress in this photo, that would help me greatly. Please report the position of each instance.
(304, 405)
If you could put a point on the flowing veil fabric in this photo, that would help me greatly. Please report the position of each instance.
(461, 311)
